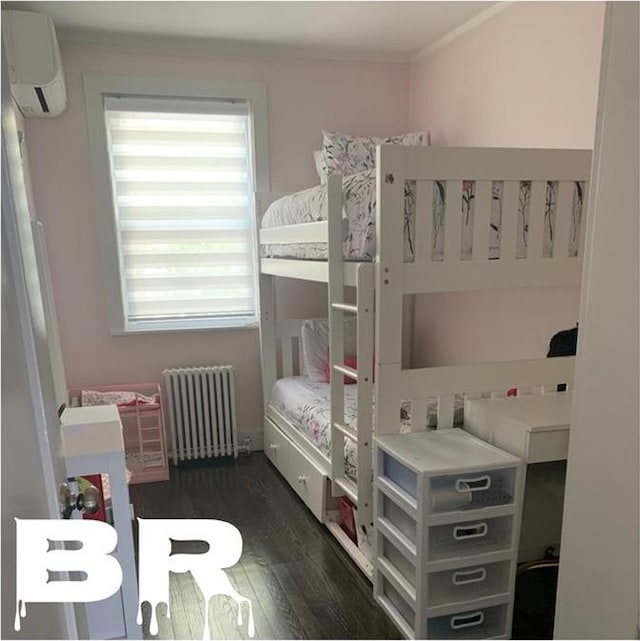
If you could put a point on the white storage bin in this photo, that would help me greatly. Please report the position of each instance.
(478, 623)
(447, 509)
(471, 491)
(397, 517)
(468, 538)
(398, 603)
(391, 554)
(399, 474)
(469, 583)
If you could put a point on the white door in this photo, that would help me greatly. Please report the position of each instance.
(32, 466)
(599, 575)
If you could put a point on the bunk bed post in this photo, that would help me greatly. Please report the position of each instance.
(266, 286)
(408, 307)
(390, 183)
(365, 279)
(267, 335)
(335, 292)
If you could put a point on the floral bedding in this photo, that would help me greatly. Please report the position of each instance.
(346, 154)
(119, 398)
(306, 405)
(360, 212)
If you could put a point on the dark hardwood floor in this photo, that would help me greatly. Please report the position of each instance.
(300, 581)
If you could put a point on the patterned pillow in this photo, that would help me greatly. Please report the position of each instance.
(315, 345)
(345, 154)
(317, 161)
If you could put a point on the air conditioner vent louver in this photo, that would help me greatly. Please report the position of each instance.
(42, 100)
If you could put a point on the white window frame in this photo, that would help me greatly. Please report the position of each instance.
(96, 88)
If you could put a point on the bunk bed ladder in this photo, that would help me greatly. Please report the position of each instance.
(361, 492)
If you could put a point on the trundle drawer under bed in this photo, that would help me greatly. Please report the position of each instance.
(308, 481)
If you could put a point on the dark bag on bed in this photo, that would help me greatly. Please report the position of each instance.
(563, 343)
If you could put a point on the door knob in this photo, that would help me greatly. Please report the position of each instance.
(88, 501)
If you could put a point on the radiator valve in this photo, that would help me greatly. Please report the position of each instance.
(245, 448)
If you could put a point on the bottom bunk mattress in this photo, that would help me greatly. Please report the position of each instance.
(305, 404)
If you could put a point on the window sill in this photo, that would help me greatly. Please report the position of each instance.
(148, 328)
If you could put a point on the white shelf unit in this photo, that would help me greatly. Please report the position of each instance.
(92, 444)
(447, 509)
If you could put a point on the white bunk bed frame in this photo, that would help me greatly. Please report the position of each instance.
(381, 285)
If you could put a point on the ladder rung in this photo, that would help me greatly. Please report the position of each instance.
(349, 488)
(349, 432)
(352, 309)
(347, 371)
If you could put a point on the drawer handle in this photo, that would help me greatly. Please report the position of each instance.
(469, 576)
(476, 484)
(467, 620)
(475, 531)
(302, 478)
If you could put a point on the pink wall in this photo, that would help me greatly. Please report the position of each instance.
(526, 77)
(304, 96)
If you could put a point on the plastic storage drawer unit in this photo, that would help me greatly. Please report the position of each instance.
(447, 510)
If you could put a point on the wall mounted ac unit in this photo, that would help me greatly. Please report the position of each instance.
(34, 62)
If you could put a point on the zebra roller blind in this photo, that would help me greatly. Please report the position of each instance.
(182, 192)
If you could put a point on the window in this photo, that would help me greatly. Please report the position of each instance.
(181, 181)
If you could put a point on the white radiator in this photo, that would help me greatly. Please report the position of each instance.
(201, 408)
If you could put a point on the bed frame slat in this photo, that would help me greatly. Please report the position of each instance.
(481, 220)
(419, 408)
(424, 219)
(582, 232)
(445, 411)
(287, 357)
(509, 219)
(301, 369)
(535, 235)
(564, 210)
(453, 221)
(493, 163)
(480, 377)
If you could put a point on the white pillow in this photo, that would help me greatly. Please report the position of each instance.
(315, 345)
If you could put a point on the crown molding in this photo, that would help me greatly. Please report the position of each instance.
(206, 48)
(465, 27)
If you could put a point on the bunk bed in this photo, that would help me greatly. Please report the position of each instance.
(446, 220)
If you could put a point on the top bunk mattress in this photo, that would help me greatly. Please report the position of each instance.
(359, 202)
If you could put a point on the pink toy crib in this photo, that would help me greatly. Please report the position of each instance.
(140, 408)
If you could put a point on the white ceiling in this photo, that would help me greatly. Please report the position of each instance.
(395, 29)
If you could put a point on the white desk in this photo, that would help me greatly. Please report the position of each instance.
(535, 428)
